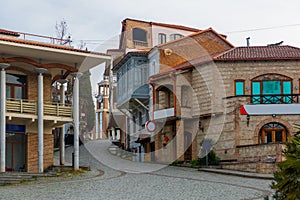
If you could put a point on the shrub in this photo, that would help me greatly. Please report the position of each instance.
(287, 180)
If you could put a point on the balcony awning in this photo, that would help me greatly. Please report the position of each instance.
(270, 109)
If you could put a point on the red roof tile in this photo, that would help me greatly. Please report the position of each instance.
(7, 32)
(260, 53)
(29, 42)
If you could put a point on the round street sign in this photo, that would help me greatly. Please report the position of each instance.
(150, 126)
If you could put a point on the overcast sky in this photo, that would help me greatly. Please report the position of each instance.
(98, 22)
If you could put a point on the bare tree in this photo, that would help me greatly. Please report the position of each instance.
(62, 33)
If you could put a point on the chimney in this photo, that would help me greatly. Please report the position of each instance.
(248, 41)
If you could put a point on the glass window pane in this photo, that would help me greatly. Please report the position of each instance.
(239, 88)
(287, 87)
(278, 136)
(256, 92)
(271, 87)
(255, 87)
(8, 92)
(18, 92)
(161, 38)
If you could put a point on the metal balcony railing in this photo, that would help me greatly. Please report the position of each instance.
(30, 107)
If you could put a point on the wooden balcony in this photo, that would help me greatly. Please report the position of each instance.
(22, 106)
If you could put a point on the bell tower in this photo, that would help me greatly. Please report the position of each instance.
(102, 111)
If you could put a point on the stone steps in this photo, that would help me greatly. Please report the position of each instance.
(113, 149)
(18, 177)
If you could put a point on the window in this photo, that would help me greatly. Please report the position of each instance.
(139, 35)
(271, 89)
(15, 86)
(239, 88)
(272, 132)
(175, 36)
(162, 38)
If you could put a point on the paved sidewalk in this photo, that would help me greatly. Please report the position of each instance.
(238, 173)
(99, 150)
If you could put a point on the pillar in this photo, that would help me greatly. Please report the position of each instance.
(62, 130)
(40, 72)
(3, 66)
(76, 118)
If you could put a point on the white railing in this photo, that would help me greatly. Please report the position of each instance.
(164, 113)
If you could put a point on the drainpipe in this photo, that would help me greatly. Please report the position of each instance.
(3, 66)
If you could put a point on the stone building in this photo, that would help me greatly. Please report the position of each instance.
(174, 108)
(28, 115)
(262, 105)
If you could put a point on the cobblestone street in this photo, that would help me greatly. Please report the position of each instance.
(111, 179)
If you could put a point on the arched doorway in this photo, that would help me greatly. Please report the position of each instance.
(272, 133)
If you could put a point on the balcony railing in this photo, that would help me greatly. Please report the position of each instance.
(140, 43)
(30, 107)
(271, 98)
(275, 99)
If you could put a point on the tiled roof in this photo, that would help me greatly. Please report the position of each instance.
(29, 42)
(7, 32)
(175, 26)
(260, 53)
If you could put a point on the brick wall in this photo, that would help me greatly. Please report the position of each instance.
(32, 151)
(32, 89)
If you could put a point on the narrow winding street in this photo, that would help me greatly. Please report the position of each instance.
(114, 178)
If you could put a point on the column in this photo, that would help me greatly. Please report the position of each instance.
(40, 72)
(62, 130)
(76, 118)
(3, 66)
(97, 125)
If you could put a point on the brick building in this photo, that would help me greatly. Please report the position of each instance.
(28, 114)
(136, 39)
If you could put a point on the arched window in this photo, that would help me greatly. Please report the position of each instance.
(162, 38)
(139, 35)
(272, 132)
(271, 89)
(175, 36)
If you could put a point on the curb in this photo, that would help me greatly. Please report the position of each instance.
(240, 174)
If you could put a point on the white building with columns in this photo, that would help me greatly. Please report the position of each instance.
(28, 114)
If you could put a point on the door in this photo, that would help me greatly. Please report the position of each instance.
(188, 146)
(15, 152)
